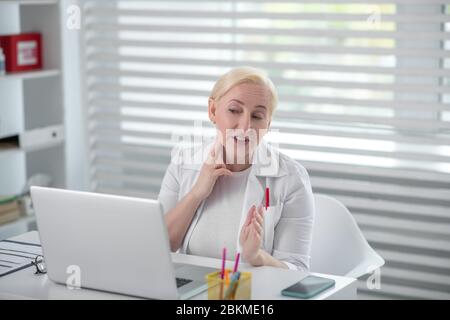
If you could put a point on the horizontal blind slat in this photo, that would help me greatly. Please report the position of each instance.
(101, 73)
(105, 87)
(391, 206)
(254, 15)
(101, 56)
(95, 3)
(101, 42)
(104, 28)
(377, 188)
(303, 115)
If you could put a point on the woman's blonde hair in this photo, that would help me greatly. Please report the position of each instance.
(241, 75)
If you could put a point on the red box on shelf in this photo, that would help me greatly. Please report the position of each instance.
(23, 52)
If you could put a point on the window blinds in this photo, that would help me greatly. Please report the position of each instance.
(364, 106)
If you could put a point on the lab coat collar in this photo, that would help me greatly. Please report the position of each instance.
(266, 160)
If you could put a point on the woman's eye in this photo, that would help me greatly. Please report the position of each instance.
(233, 110)
(258, 117)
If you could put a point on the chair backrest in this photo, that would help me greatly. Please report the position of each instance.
(338, 246)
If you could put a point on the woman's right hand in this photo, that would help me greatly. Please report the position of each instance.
(212, 169)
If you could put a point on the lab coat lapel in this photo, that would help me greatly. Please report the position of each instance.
(199, 156)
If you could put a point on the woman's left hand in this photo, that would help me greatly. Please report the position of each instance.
(251, 235)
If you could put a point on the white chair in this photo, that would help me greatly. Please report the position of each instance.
(338, 246)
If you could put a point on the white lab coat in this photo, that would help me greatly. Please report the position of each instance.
(288, 221)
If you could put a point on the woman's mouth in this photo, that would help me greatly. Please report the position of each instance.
(241, 140)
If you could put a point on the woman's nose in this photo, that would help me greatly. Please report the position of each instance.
(245, 122)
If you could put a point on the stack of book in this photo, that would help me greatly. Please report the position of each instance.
(9, 209)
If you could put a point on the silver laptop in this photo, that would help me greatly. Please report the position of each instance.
(115, 243)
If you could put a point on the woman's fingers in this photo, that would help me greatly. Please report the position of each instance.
(220, 165)
(215, 154)
(249, 215)
(253, 226)
(221, 172)
(261, 210)
(211, 157)
(246, 232)
(218, 152)
(255, 218)
(260, 215)
(251, 232)
(258, 220)
(255, 235)
(257, 226)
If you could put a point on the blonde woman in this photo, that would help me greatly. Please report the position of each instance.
(220, 201)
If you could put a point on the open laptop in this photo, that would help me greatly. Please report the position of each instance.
(115, 243)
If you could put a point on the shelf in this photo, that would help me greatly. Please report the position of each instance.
(32, 140)
(32, 74)
(28, 2)
(30, 149)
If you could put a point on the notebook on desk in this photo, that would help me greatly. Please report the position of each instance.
(16, 255)
(115, 243)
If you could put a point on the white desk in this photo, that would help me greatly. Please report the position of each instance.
(267, 282)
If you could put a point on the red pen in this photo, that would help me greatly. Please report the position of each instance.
(224, 258)
(236, 263)
(267, 197)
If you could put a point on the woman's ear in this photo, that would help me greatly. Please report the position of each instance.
(212, 110)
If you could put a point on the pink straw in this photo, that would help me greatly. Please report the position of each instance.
(236, 263)
(224, 257)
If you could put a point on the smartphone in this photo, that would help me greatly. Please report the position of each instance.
(308, 287)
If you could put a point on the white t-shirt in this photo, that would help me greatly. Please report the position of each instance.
(218, 225)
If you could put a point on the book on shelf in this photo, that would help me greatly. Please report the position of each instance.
(9, 210)
(8, 205)
(9, 142)
(9, 216)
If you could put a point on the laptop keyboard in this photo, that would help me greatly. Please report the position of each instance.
(181, 282)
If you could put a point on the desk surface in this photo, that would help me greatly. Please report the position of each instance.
(267, 282)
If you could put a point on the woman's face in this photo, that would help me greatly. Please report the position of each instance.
(242, 118)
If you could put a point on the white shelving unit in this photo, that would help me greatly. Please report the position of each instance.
(38, 74)
(31, 102)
